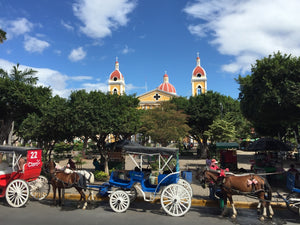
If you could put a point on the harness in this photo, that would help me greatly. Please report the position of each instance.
(220, 182)
(63, 183)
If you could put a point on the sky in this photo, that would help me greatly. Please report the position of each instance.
(74, 44)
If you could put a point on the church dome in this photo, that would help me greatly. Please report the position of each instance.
(116, 74)
(166, 86)
(199, 71)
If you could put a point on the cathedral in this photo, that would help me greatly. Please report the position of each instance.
(164, 92)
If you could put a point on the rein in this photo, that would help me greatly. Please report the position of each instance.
(53, 176)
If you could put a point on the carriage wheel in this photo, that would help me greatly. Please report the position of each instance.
(39, 188)
(119, 201)
(294, 204)
(17, 193)
(132, 194)
(187, 185)
(176, 200)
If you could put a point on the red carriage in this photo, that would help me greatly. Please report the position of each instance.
(20, 177)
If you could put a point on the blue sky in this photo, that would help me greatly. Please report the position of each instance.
(73, 44)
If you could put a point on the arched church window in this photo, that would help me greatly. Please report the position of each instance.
(199, 90)
(115, 91)
(115, 78)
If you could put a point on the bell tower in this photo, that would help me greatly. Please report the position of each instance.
(116, 81)
(199, 79)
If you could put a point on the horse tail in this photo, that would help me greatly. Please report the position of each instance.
(92, 178)
(268, 190)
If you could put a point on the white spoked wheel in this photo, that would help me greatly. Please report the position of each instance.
(17, 193)
(39, 188)
(187, 185)
(132, 194)
(119, 201)
(176, 200)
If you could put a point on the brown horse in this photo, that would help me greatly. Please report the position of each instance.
(61, 181)
(245, 184)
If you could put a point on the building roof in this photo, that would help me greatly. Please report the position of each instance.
(116, 73)
(166, 86)
(198, 69)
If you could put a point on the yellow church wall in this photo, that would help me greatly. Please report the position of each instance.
(149, 97)
(196, 84)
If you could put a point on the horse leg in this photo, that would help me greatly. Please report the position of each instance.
(59, 196)
(271, 212)
(234, 212)
(82, 196)
(263, 203)
(63, 196)
(54, 195)
(91, 195)
(258, 207)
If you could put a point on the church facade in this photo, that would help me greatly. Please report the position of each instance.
(164, 92)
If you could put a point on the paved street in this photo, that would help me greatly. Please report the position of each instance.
(36, 213)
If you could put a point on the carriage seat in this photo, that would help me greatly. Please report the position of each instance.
(4, 168)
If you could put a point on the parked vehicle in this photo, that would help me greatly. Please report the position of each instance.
(20, 177)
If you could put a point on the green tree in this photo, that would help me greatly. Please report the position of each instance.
(2, 36)
(202, 111)
(96, 115)
(164, 124)
(19, 97)
(82, 115)
(52, 125)
(270, 97)
(221, 131)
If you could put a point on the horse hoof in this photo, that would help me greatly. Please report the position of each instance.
(262, 218)
(233, 217)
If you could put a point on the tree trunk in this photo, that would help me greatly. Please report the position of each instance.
(5, 128)
(297, 138)
(9, 139)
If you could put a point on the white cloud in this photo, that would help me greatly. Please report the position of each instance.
(130, 87)
(16, 27)
(32, 44)
(100, 17)
(95, 86)
(81, 78)
(56, 80)
(247, 30)
(67, 26)
(77, 54)
(127, 50)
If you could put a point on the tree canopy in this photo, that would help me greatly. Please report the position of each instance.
(2, 36)
(270, 96)
(164, 124)
(19, 96)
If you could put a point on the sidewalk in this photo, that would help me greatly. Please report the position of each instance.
(200, 195)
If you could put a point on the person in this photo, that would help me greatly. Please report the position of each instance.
(208, 161)
(296, 173)
(96, 164)
(213, 165)
(212, 185)
(21, 163)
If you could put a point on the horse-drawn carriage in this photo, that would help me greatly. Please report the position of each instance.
(176, 193)
(20, 177)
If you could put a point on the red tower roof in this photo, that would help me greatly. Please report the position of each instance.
(116, 73)
(198, 69)
(166, 86)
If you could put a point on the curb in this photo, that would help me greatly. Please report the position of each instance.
(195, 202)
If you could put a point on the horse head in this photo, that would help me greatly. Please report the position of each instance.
(200, 176)
(49, 167)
